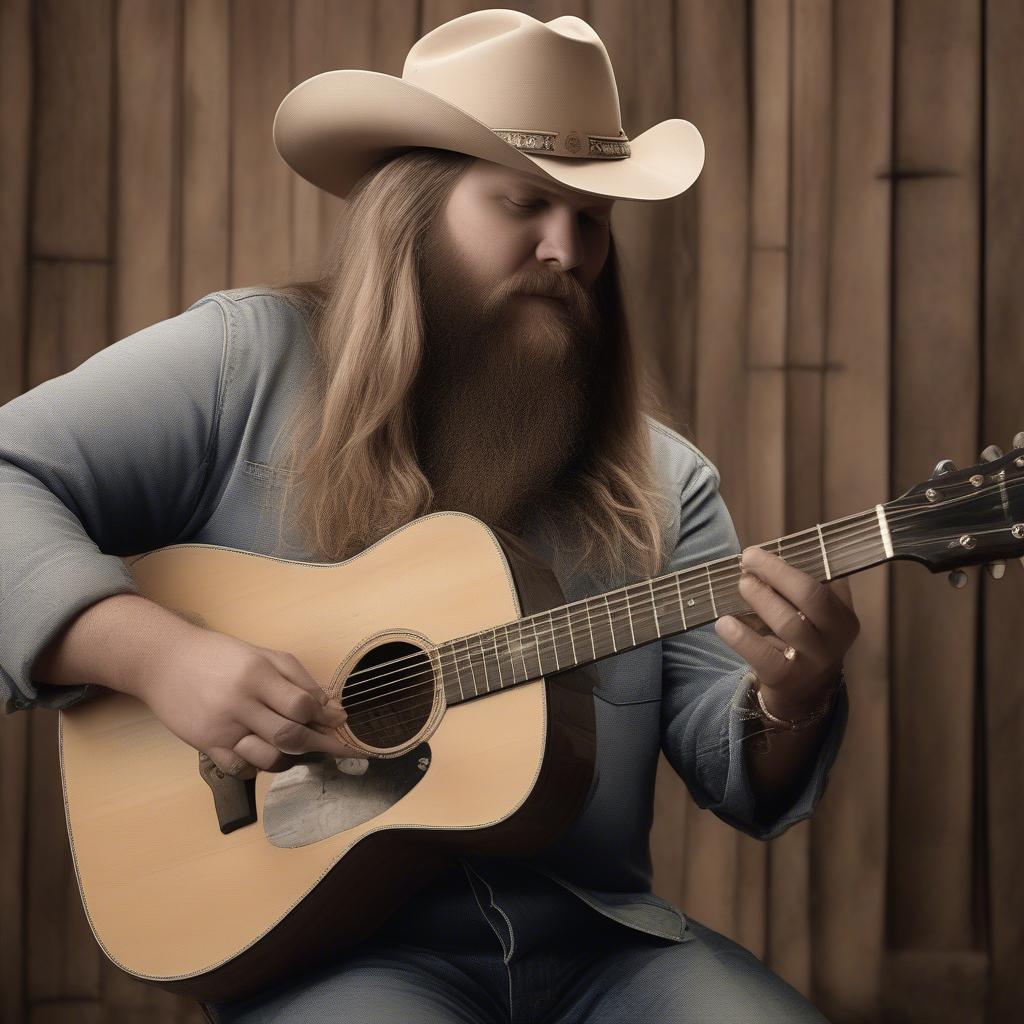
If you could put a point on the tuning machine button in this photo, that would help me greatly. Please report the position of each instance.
(996, 569)
(943, 467)
(958, 578)
(991, 453)
(1018, 439)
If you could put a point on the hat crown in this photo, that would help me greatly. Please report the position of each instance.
(511, 71)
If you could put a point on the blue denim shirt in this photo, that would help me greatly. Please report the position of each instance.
(165, 437)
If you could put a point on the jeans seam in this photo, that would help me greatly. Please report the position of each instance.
(507, 954)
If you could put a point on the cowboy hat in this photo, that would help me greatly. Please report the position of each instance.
(535, 96)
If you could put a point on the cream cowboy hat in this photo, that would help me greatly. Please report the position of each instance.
(535, 96)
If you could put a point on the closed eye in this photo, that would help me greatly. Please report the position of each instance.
(601, 219)
(524, 206)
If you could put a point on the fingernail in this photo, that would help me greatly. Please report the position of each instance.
(332, 703)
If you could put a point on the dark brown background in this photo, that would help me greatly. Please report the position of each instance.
(832, 309)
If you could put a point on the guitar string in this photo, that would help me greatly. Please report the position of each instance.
(725, 574)
(868, 527)
(422, 693)
(548, 631)
(562, 629)
(621, 605)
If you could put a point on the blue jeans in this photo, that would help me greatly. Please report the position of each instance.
(510, 948)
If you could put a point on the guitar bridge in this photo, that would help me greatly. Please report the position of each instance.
(233, 799)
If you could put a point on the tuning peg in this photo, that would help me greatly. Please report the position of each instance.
(958, 578)
(1018, 440)
(991, 453)
(943, 467)
(996, 569)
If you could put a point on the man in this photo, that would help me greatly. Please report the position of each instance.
(466, 352)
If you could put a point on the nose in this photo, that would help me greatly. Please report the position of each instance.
(560, 246)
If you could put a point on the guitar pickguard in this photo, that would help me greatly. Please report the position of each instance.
(310, 802)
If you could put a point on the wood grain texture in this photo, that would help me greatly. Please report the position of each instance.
(148, 153)
(72, 133)
(1001, 417)
(810, 137)
(713, 70)
(261, 182)
(850, 827)
(935, 412)
(205, 150)
(765, 353)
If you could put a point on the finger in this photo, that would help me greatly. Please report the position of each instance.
(294, 701)
(293, 737)
(765, 659)
(782, 618)
(293, 670)
(821, 606)
(262, 755)
(231, 763)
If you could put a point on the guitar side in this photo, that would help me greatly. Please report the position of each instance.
(176, 902)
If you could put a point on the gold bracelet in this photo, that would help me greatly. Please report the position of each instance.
(796, 724)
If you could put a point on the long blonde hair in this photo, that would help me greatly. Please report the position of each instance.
(352, 456)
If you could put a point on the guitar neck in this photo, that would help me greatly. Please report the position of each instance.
(603, 625)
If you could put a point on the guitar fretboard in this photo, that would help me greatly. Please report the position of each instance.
(600, 626)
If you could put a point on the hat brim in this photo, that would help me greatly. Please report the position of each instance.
(333, 127)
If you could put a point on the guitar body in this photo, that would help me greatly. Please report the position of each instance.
(176, 901)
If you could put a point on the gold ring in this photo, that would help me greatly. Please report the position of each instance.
(789, 653)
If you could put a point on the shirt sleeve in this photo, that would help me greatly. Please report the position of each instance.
(107, 460)
(705, 683)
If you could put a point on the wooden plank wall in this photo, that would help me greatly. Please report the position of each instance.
(830, 311)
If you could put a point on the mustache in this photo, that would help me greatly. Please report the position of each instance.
(579, 301)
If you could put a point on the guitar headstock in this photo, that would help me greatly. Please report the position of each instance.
(963, 517)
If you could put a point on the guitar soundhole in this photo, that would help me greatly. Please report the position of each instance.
(389, 694)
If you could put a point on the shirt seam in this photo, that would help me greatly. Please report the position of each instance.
(674, 435)
(209, 453)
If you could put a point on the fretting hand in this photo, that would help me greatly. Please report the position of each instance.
(791, 610)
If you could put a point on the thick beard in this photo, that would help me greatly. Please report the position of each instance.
(501, 402)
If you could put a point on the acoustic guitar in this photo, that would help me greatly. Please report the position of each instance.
(468, 687)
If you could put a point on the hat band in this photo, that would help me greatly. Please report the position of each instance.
(599, 147)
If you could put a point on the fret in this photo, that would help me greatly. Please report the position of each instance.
(511, 663)
(590, 629)
(711, 591)
(482, 652)
(572, 640)
(611, 624)
(536, 647)
(682, 614)
(472, 669)
(548, 648)
(522, 651)
(629, 616)
(458, 674)
(657, 624)
(497, 658)
(824, 556)
(554, 640)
